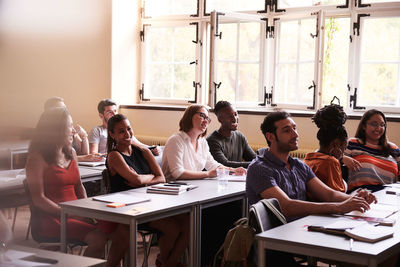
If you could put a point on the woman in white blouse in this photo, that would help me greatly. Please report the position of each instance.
(186, 153)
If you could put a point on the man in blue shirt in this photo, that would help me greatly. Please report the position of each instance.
(275, 174)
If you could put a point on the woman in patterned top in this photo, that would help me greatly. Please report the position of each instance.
(371, 159)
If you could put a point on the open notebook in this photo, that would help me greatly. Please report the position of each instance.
(358, 230)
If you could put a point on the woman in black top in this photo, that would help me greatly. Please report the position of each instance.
(132, 166)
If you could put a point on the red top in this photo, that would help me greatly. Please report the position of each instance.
(59, 183)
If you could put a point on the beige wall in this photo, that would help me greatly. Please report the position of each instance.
(54, 48)
(165, 123)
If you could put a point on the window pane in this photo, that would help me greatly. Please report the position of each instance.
(227, 76)
(227, 47)
(295, 62)
(169, 7)
(169, 73)
(238, 62)
(248, 79)
(307, 3)
(234, 5)
(379, 71)
(377, 1)
(336, 60)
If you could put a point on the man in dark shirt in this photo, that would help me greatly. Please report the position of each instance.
(275, 174)
(227, 145)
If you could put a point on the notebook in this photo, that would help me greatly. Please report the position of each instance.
(358, 230)
(92, 163)
(170, 188)
(124, 198)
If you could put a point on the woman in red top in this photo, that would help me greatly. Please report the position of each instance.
(53, 177)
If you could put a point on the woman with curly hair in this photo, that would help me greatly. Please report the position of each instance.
(332, 138)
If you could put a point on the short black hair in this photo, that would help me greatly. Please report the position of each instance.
(268, 125)
(105, 103)
(221, 105)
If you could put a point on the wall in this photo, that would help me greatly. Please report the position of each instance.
(53, 48)
(165, 123)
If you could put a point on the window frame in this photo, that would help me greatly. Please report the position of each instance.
(204, 69)
(231, 17)
(357, 40)
(317, 67)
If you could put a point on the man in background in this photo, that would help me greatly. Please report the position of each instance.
(227, 145)
(80, 142)
(98, 135)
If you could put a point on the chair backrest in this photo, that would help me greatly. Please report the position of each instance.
(105, 182)
(266, 214)
(34, 219)
(260, 151)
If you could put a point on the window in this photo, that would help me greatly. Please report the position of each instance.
(262, 54)
(237, 59)
(335, 60)
(170, 62)
(379, 62)
(295, 78)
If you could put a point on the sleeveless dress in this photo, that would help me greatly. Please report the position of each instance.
(59, 186)
(137, 161)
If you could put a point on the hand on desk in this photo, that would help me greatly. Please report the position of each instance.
(353, 203)
(366, 194)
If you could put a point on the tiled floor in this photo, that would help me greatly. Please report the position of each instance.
(21, 227)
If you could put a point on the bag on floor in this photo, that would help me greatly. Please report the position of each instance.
(236, 247)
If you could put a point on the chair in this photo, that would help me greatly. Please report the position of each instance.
(266, 214)
(144, 233)
(45, 241)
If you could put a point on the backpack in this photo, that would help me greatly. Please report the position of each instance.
(236, 247)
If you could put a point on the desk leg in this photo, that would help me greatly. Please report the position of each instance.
(193, 237)
(63, 238)
(198, 235)
(133, 240)
(261, 253)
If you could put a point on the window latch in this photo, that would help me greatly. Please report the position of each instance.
(353, 100)
(195, 85)
(356, 25)
(216, 86)
(141, 94)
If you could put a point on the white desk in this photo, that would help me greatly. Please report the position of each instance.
(12, 191)
(61, 258)
(160, 206)
(294, 238)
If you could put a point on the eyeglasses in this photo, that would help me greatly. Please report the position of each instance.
(376, 125)
(204, 117)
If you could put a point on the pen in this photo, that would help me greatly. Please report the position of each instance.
(175, 185)
(351, 243)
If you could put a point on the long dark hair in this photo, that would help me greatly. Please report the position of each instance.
(360, 133)
(111, 144)
(50, 133)
(330, 121)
